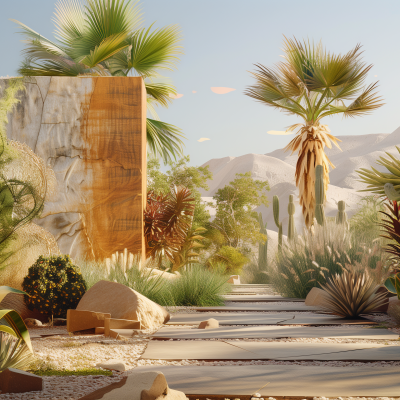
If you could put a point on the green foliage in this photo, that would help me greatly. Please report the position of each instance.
(199, 287)
(231, 258)
(54, 285)
(235, 217)
(341, 217)
(319, 195)
(262, 247)
(181, 174)
(392, 284)
(317, 255)
(104, 38)
(14, 353)
(67, 372)
(376, 180)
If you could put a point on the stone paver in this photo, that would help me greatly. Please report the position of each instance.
(283, 380)
(239, 306)
(258, 298)
(255, 332)
(233, 350)
(259, 318)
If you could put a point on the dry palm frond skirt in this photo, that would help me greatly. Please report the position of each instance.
(310, 142)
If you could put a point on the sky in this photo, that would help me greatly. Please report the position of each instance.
(222, 40)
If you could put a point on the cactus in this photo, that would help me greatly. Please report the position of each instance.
(341, 217)
(275, 206)
(391, 192)
(319, 195)
(262, 247)
(291, 210)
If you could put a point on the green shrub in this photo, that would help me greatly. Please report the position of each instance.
(54, 285)
(314, 257)
(231, 257)
(199, 286)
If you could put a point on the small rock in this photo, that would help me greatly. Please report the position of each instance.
(256, 395)
(112, 365)
(32, 322)
(209, 324)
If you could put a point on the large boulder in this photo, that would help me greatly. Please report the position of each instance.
(123, 302)
(316, 297)
(394, 308)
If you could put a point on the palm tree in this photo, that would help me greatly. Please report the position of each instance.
(105, 38)
(312, 83)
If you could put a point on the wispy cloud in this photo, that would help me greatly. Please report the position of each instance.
(175, 96)
(194, 91)
(222, 90)
(280, 132)
(203, 139)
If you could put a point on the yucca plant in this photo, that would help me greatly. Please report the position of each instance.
(351, 294)
(105, 38)
(313, 84)
(167, 220)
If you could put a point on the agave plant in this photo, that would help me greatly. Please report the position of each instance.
(167, 220)
(312, 84)
(15, 344)
(105, 38)
(351, 294)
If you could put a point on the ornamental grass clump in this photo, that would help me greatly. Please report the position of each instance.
(54, 285)
(351, 294)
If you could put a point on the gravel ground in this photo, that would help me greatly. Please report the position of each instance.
(58, 349)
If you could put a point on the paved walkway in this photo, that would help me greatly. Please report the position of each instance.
(252, 331)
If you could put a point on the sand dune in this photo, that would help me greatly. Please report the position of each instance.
(278, 167)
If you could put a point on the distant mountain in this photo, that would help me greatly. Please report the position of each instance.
(278, 167)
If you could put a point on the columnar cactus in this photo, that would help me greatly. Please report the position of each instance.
(291, 210)
(341, 217)
(319, 195)
(262, 247)
(275, 206)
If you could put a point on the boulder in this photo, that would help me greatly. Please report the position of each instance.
(150, 385)
(316, 297)
(30, 322)
(157, 272)
(123, 302)
(112, 365)
(17, 381)
(234, 280)
(16, 302)
(384, 307)
(209, 324)
(394, 308)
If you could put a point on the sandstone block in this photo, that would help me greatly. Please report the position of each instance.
(112, 323)
(234, 280)
(394, 308)
(209, 324)
(17, 381)
(316, 297)
(80, 320)
(122, 302)
(99, 330)
(122, 334)
(112, 365)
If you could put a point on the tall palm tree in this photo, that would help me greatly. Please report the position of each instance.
(105, 38)
(312, 83)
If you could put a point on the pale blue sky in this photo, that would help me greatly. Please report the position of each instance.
(222, 41)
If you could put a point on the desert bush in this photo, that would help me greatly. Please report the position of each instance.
(351, 294)
(231, 257)
(14, 353)
(316, 255)
(199, 286)
(54, 285)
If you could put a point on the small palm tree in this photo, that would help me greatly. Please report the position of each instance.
(312, 83)
(104, 38)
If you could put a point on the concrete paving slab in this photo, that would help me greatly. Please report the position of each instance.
(237, 306)
(275, 332)
(259, 318)
(283, 380)
(259, 298)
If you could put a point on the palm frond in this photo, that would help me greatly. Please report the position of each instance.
(160, 92)
(164, 140)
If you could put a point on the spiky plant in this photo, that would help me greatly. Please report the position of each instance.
(376, 180)
(351, 294)
(105, 38)
(312, 84)
(167, 220)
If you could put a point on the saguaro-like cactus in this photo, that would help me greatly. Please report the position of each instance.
(319, 195)
(341, 217)
(262, 247)
(291, 210)
(275, 206)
